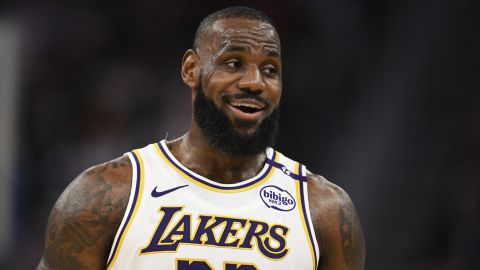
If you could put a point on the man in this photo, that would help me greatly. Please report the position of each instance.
(218, 197)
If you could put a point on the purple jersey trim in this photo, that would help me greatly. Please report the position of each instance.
(194, 177)
(284, 169)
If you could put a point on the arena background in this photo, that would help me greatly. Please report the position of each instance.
(380, 97)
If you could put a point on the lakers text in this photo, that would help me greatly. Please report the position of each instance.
(174, 229)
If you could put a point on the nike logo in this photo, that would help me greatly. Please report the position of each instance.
(157, 194)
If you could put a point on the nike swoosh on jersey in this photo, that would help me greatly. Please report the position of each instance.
(157, 194)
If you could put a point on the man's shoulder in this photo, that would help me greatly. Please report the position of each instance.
(325, 197)
(319, 186)
(104, 185)
(116, 173)
(85, 218)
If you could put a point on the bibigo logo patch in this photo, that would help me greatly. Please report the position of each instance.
(277, 198)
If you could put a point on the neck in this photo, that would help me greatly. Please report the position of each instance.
(196, 154)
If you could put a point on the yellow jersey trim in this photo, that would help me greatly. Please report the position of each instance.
(301, 198)
(191, 179)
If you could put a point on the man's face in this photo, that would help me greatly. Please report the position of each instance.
(239, 89)
(241, 71)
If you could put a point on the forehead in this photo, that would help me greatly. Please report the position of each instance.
(244, 32)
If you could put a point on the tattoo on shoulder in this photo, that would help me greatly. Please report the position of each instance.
(120, 163)
(84, 220)
(351, 233)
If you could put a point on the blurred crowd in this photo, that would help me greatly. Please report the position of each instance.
(380, 97)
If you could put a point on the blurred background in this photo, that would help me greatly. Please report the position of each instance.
(385, 95)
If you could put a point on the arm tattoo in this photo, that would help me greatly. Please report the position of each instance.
(351, 233)
(88, 212)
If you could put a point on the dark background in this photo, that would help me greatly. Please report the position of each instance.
(380, 97)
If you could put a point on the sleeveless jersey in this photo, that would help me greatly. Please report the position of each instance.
(178, 219)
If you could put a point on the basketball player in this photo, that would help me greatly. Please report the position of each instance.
(218, 197)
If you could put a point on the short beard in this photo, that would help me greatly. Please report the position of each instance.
(220, 132)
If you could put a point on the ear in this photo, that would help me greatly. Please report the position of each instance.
(190, 69)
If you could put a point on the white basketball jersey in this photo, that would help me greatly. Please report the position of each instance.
(179, 220)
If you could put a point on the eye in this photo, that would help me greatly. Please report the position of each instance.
(233, 63)
(270, 69)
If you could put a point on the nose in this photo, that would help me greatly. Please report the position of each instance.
(252, 80)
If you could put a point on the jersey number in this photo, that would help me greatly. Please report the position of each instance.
(186, 264)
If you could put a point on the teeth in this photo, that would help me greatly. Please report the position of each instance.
(248, 105)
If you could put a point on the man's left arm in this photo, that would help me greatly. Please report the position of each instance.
(337, 226)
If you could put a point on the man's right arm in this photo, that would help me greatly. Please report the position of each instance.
(85, 218)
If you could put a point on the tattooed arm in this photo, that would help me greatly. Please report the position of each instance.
(337, 227)
(85, 218)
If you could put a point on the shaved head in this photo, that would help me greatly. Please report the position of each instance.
(205, 28)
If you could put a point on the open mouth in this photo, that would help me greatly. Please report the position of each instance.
(247, 107)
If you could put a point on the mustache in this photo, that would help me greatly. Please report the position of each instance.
(246, 95)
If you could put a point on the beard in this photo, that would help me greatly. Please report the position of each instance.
(221, 133)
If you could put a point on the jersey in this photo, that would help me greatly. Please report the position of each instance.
(178, 219)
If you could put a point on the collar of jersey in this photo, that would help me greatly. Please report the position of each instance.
(204, 182)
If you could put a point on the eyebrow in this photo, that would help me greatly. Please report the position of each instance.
(235, 48)
(271, 52)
